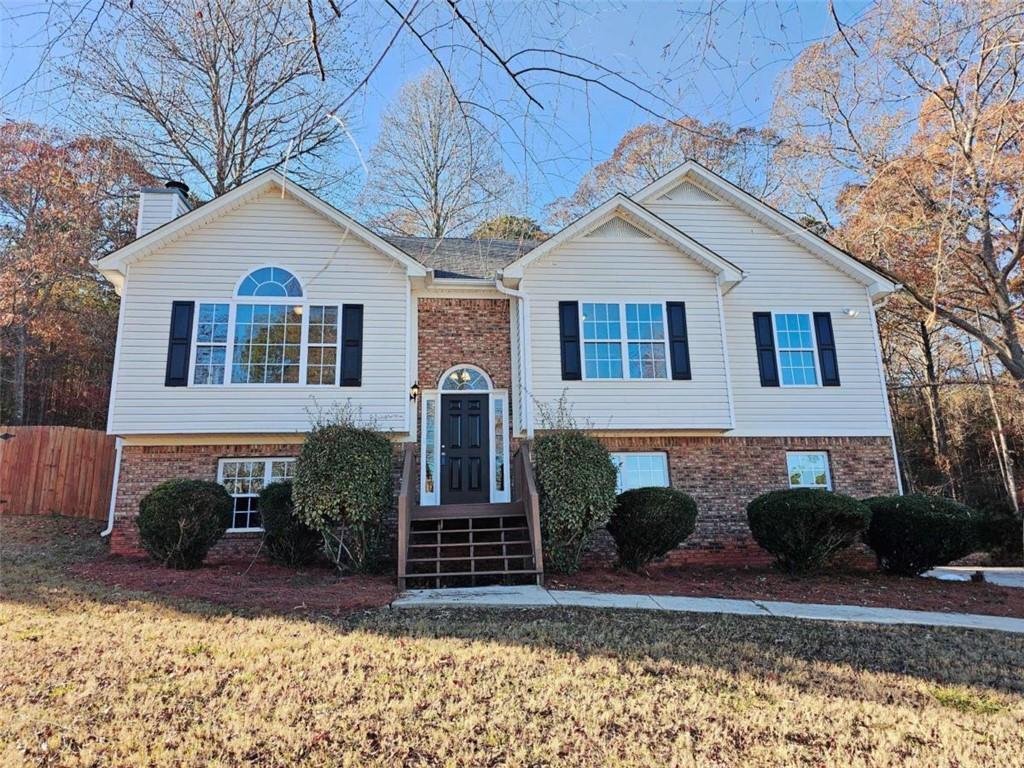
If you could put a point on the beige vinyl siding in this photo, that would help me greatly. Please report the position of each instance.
(625, 270)
(206, 265)
(783, 277)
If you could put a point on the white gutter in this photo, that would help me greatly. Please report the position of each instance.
(113, 491)
(885, 389)
(524, 350)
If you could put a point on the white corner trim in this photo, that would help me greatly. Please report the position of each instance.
(885, 390)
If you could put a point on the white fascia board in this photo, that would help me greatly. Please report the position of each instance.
(116, 261)
(620, 205)
(720, 187)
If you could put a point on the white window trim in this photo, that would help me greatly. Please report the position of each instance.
(268, 460)
(433, 499)
(828, 469)
(658, 454)
(229, 346)
(624, 341)
(813, 350)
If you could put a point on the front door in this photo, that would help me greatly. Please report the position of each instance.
(465, 449)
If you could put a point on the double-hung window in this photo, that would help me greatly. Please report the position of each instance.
(268, 335)
(794, 340)
(624, 340)
(244, 479)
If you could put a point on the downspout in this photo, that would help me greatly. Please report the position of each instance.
(524, 349)
(113, 491)
(885, 388)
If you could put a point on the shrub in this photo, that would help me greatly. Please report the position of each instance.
(343, 480)
(805, 527)
(288, 540)
(649, 522)
(911, 534)
(180, 520)
(576, 484)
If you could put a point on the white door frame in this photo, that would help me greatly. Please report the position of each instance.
(431, 402)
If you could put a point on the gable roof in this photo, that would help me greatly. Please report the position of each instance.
(634, 213)
(462, 257)
(112, 265)
(724, 189)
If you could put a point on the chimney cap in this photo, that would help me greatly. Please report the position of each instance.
(178, 185)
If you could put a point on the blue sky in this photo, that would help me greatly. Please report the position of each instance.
(718, 69)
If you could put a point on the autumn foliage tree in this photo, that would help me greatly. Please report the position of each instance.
(63, 201)
(649, 151)
(509, 227)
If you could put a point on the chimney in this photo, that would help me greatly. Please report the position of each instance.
(159, 205)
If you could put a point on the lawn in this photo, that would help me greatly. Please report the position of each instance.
(94, 674)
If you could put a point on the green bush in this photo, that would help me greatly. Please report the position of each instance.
(288, 540)
(804, 528)
(650, 522)
(180, 520)
(576, 484)
(343, 480)
(911, 534)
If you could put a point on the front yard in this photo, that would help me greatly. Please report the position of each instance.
(97, 674)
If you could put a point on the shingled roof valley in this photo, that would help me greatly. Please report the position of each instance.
(462, 257)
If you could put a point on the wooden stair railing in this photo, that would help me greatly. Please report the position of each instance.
(524, 488)
(405, 502)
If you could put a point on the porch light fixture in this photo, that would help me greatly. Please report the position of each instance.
(414, 391)
(852, 312)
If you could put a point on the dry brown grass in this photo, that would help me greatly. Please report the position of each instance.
(91, 675)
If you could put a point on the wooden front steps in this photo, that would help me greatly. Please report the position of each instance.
(470, 544)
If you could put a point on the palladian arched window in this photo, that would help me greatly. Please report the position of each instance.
(270, 281)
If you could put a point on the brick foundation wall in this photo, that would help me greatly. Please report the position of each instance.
(144, 467)
(724, 473)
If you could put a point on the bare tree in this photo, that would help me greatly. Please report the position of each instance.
(433, 171)
(217, 88)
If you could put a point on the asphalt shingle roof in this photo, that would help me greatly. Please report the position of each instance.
(462, 256)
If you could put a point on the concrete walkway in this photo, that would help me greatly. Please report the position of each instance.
(538, 597)
(1004, 576)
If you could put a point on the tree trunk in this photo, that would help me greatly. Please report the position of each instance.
(20, 361)
(939, 433)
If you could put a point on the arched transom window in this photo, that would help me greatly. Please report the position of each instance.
(464, 379)
(270, 334)
(270, 281)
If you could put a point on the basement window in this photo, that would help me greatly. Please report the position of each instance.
(244, 479)
(640, 470)
(808, 469)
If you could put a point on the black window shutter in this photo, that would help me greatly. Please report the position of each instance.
(179, 344)
(569, 329)
(764, 338)
(678, 344)
(826, 349)
(352, 345)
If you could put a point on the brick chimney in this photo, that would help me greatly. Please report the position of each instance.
(159, 205)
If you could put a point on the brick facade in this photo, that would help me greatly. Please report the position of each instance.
(470, 331)
(724, 473)
(144, 467)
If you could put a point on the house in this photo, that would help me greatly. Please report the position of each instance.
(709, 341)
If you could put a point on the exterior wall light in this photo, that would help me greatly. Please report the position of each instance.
(414, 391)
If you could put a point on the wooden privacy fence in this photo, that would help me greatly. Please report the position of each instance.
(56, 470)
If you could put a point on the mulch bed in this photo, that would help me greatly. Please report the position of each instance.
(259, 586)
(850, 587)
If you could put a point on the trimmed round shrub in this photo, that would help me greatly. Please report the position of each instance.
(343, 480)
(804, 528)
(650, 522)
(287, 539)
(576, 484)
(914, 533)
(180, 520)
